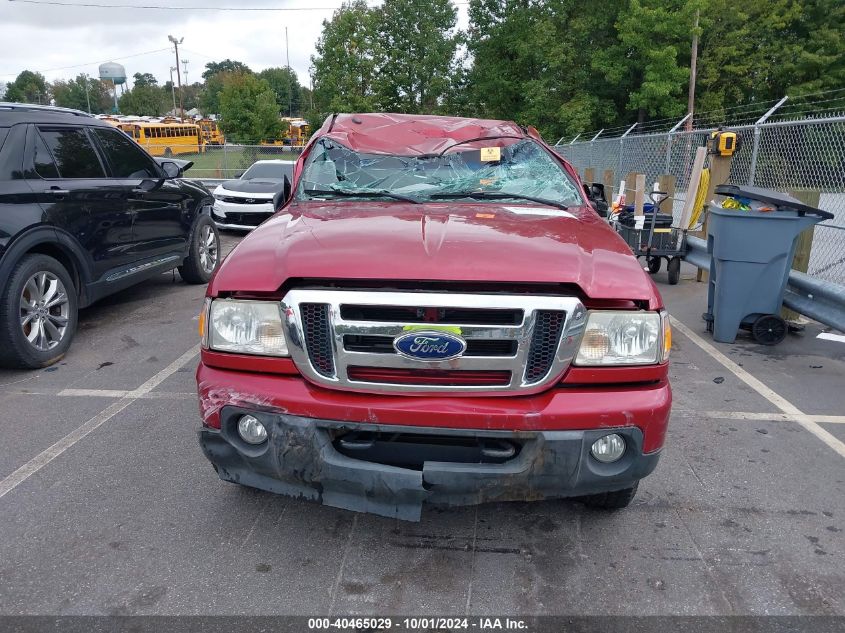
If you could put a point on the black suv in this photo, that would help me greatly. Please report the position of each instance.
(85, 212)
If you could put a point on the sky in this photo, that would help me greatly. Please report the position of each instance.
(42, 36)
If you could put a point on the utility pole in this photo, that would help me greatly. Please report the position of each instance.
(287, 54)
(185, 71)
(176, 43)
(692, 72)
(87, 96)
(173, 88)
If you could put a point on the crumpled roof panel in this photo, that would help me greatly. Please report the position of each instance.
(412, 134)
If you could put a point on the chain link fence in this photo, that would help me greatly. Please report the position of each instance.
(222, 162)
(801, 155)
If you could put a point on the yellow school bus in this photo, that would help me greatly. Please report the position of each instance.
(211, 133)
(165, 139)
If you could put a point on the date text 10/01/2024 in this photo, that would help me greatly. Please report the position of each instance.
(416, 624)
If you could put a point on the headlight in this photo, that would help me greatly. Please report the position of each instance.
(218, 196)
(246, 327)
(614, 337)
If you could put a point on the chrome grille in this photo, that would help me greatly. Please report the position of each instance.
(515, 343)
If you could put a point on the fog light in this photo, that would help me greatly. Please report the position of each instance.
(609, 448)
(251, 430)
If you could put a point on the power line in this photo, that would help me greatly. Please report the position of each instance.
(50, 70)
(156, 7)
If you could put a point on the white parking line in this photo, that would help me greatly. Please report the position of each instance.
(45, 457)
(756, 415)
(121, 393)
(795, 414)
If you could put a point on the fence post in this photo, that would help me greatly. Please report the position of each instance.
(225, 162)
(622, 145)
(755, 148)
(669, 142)
(804, 244)
(590, 175)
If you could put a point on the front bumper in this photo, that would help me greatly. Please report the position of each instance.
(301, 458)
(228, 215)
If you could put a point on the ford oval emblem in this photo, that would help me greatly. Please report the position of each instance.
(430, 346)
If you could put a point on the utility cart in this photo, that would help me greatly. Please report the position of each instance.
(657, 240)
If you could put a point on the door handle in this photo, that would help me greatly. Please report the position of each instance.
(58, 192)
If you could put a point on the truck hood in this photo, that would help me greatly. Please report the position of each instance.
(255, 185)
(486, 242)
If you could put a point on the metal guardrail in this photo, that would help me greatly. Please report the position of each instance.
(823, 301)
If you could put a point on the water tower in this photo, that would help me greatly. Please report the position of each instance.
(115, 73)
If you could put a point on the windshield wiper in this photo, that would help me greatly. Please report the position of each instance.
(494, 195)
(360, 194)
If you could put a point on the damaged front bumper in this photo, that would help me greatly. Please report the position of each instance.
(354, 465)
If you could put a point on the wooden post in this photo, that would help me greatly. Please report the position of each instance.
(720, 173)
(589, 175)
(630, 184)
(609, 184)
(667, 182)
(639, 196)
(801, 261)
(692, 187)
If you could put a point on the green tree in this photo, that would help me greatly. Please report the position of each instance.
(226, 66)
(414, 52)
(532, 64)
(144, 79)
(79, 92)
(343, 65)
(285, 85)
(248, 109)
(209, 96)
(28, 87)
(651, 58)
(145, 101)
(760, 50)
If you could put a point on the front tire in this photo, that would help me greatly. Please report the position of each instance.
(614, 500)
(38, 313)
(203, 254)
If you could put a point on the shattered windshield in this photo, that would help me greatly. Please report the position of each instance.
(523, 171)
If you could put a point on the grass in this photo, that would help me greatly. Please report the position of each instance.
(217, 162)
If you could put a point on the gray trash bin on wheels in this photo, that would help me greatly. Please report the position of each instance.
(750, 258)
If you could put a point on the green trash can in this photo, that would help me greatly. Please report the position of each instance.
(750, 258)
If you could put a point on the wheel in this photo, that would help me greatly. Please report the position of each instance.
(168, 152)
(38, 313)
(614, 500)
(653, 265)
(769, 329)
(674, 270)
(204, 254)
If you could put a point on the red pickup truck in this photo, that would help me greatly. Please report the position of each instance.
(436, 315)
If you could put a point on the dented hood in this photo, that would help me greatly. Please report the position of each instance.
(438, 242)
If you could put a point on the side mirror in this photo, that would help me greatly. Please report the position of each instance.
(596, 196)
(281, 198)
(238, 174)
(171, 169)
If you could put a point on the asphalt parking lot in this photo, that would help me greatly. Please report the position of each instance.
(107, 505)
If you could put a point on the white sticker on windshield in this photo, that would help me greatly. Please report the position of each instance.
(540, 211)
